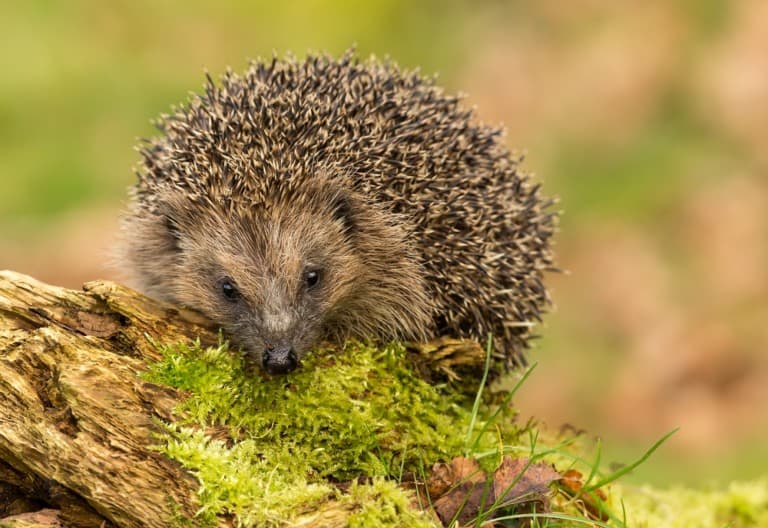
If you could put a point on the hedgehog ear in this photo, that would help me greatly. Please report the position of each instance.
(171, 222)
(172, 231)
(342, 209)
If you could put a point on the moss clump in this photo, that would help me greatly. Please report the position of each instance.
(382, 503)
(360, 411)
(241, 480)
(740, 505)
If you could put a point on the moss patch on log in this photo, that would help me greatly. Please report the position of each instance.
(350, 413)
(351, 424)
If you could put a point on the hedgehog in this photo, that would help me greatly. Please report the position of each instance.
(329, 198)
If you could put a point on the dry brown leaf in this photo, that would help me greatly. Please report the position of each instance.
(519, 481)
(463, 491)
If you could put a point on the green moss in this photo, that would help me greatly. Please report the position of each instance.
(740, 505)
(242, 480)
(361, 415)
(382, 503)
(359, 411)
(356, 412)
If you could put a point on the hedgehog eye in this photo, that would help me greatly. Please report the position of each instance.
(311, 278)
(229, 290)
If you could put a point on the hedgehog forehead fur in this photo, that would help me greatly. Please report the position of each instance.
(447, 235)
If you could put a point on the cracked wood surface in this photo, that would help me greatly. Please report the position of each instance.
(76, 422)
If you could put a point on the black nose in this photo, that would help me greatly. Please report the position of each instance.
(280, 359)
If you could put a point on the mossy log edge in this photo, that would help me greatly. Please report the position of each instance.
(77, 424)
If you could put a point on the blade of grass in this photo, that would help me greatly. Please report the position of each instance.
(596, 464)
(552, 516)
(476, 406)
(502, 406)
(626, 469)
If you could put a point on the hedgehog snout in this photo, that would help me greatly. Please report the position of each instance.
(279, 359)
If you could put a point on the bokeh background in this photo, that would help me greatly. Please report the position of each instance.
(648, 119)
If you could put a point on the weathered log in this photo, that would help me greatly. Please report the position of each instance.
(76, 422)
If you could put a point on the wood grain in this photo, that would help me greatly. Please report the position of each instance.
(76, 422)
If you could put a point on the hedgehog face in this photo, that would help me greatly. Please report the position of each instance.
(281, 269)
(271, 277)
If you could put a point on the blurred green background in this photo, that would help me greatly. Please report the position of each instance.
(648, 119)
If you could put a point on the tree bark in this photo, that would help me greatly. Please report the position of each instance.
(76, 422)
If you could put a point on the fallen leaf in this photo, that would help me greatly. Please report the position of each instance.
(445, 476)
(518, 480)
(464, 492)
